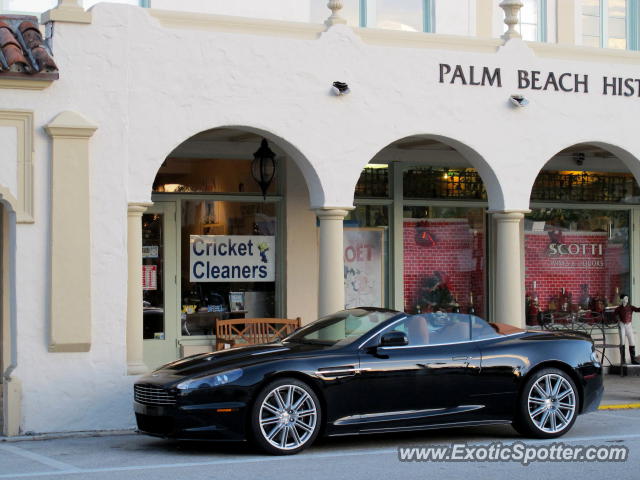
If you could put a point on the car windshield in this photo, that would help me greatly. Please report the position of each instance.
(341, 328)
(442, 328)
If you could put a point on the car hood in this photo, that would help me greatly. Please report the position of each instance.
(229, 359)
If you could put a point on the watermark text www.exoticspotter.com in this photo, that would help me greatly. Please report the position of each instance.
(514, 452)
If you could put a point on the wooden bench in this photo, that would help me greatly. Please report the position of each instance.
(253, 331)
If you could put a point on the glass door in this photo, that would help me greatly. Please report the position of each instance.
(159, 284)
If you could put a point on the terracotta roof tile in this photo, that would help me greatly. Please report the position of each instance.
(23, 52)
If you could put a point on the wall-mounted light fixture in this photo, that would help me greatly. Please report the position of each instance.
(519, 100)
(341, 88)
(579, 158)
(263, 167)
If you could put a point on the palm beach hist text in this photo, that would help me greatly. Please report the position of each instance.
(538, 80)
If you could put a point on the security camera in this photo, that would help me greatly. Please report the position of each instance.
(519, 100)
(340, 88)
(579, 158)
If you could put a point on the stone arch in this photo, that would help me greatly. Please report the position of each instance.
(629, 160)
(10, 404)
(495, 194)
(313, 181)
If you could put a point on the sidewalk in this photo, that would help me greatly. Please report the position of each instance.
(621, 392)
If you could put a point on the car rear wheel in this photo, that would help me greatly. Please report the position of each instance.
(548, 405)
(285, 418)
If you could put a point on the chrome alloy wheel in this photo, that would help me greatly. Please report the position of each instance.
(288, 417)
(551, 403)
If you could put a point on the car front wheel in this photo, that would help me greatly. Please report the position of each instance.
(285, 418)
(548, 405)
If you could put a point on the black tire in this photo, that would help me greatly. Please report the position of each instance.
(548, 405)
(295, 428)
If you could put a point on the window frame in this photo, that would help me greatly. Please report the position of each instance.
(428, 15)
(632, 21)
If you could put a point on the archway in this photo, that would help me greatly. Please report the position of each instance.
(10, 391)
(579, 247)
(422, 201)
(214, 242)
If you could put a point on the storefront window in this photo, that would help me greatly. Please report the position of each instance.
(445, 183)
(208, 176)
(576, 260)
(373, 182)
(228, 262)
(152, 276)
(366, 256)
(444, 259)
(580, 186)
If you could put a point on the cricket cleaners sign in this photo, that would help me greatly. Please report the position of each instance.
(232, 258)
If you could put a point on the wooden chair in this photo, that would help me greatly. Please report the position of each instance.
(252, 331)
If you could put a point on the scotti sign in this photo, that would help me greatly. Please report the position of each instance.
(538, 80)
(232, 258)
(584, 249)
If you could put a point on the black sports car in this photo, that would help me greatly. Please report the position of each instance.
(369, 370)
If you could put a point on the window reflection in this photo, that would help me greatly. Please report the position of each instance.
(529, 20)
(617, 24)
(608, 31)
(444, 259)
(576, 260)
(403, 15)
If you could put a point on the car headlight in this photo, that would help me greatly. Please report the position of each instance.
(210, 380)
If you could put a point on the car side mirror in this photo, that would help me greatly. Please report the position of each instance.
(394, 339)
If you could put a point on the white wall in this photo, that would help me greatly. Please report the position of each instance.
(149, 87)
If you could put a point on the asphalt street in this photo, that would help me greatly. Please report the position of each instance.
(134, 456)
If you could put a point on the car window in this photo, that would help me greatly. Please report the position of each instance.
(481, 330)
(341, 328)
(434, 328)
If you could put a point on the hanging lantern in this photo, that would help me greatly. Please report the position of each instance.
(263, 167)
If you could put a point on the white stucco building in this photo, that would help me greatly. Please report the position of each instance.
(145, 141)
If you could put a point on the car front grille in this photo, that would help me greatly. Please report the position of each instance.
(152, 395)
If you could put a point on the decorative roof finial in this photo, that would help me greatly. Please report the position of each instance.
(335, 19)
(511, 10)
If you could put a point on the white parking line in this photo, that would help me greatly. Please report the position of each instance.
(255, 459)
(50, 462)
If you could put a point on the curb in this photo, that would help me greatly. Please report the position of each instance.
(621, 406)
(59, 435)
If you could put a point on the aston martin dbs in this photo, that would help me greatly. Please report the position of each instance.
(370, 370)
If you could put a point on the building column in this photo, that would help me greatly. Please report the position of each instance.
(70, 305)
(509, 274)
(331, 287)
(135, 360)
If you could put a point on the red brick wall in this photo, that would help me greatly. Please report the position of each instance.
(458, 253)
(602, 273)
